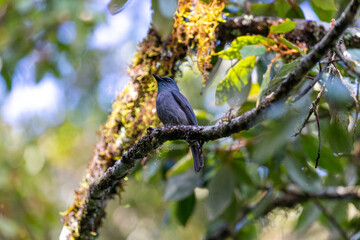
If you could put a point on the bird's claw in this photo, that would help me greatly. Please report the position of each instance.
(149, 130)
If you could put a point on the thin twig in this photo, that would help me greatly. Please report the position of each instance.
(347, 63)
(312, 108)
(304, 123)
(331, 219)
(313, 82)
(310, 77)
(318, 125)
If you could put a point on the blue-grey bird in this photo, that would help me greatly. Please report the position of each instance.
(174, 109)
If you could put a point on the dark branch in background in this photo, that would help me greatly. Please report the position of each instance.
(293, 197)
(319, 136)
(104, 185)
(309, 32)
(314, 105)
(312, 108)
(312, 84)
(331, 219)
(287, 198)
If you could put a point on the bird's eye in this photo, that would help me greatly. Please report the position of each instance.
(168, 80)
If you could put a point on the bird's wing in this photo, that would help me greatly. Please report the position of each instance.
(185, 106)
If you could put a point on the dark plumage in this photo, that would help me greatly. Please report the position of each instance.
(174, 109)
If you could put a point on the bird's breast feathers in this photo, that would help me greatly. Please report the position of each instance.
(169, 110)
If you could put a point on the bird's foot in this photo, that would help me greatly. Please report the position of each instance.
(149, 130)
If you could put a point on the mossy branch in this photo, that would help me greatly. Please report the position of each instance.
(308, 32)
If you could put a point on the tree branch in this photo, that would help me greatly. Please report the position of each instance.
(291, 197)
(99, 191)
(331, 219)
(309, 32)
(285, 198)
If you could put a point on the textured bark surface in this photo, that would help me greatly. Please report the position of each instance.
(308, 32)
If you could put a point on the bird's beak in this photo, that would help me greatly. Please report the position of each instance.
(158, 79)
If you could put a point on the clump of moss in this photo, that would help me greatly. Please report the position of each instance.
(195, 25)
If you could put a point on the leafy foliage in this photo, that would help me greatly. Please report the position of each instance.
(233, 52)
(220, 192)
(283, 27)
(235, 88)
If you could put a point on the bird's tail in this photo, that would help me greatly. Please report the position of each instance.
(197, 155)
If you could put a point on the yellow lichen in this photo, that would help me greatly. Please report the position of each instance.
(195, 25)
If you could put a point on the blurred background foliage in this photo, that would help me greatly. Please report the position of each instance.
(62, 62)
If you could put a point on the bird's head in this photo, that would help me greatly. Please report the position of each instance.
(166, 83)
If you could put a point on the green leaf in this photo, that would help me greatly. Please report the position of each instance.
(263, 9)
(280, 76)
(302, 173)
(6, 73)
(150, 171)
(287, 68)
(231, 214)
(235, 87)
(327, 5)
(338, 209)
(185, 208)
(281, 8)
(295, 13)
(324, 15)
(221, 189)
(273, 137)
(338, 136)
(180, 166)
(242, 176)
(327, 159)
(252, 50)
(233, 52)
(181, 186)
(290, 44)
(163, 24)
(308, 216)
(339, 98)
(261, 65)
(283, 27)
